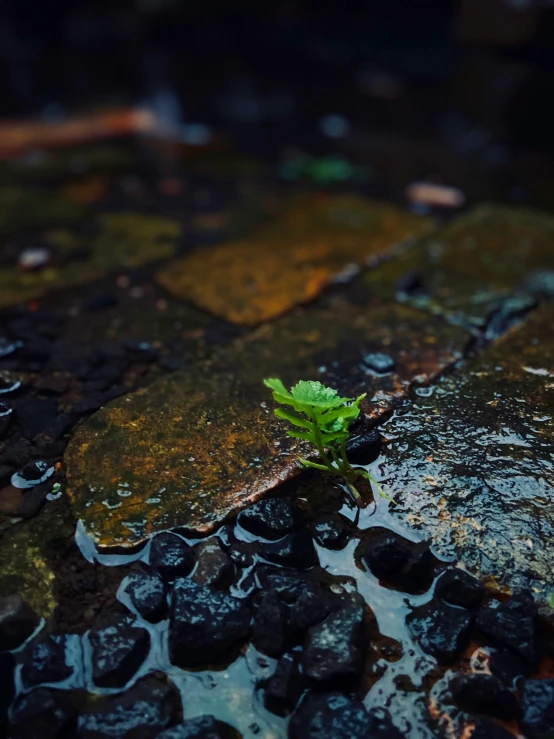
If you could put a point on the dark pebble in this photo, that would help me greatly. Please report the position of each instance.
(537, 700)
(242, 554)
(17, 622)
(171, 364)
(334, 716)
(332, 651)
(331, 531)
(400, 562)
(34, 498)
(43, 714)
(294, 550)
(6, 415)
(45, 661)
(510, 311)
(271, 519)
(148, 594)
(442, 630)
(7, 346)
(34, 415)
(511, 624)
(270, 633)
(486, 728)
(16, 454)
(140, 713)
(364, 445)
(6, 473)
(33, 473)
(213, 566)
(201, 727)
(459, 588)
(171, 557)
(141, 351)
(411, 283)
(117, 652)
(379, 363)
(483, 693)
(205, 625)
(507, 666)
(95, 400)
(540, 283)
(52, 384)
(285, 686)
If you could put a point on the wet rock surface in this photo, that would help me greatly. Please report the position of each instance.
(43, 713)
(148, 595)
(45, 661)
(442, 630)
(285, 686)
(202, 727)
(485, 694)
(171, 556)
(17, 622)
(222, 446)
(271, 519)
(478, 479)
(291, 260)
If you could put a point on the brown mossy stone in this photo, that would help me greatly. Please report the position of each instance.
(203, 443)
(468, 268)
(470, 466)
(124, 241)
(288, 261)
(29, 553)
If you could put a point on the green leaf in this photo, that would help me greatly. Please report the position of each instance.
(551, 601)
(311, 392)
(304, 435)
(292, 418)
(328, 437)
(277, 386)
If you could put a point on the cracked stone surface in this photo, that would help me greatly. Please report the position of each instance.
(466, 270)
(315, 240)
(470, 463)
(203, 443)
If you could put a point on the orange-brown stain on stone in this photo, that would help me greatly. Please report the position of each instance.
(290, 260)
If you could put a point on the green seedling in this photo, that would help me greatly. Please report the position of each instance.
(323, 419)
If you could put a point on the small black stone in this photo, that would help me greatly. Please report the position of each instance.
(411, 283)
(171, 557)
(16, 454)
(171, 364)
(45, 661)
(306, 603)
(205, 625)
(294, 550)
(201, 727)
(483, 693)
(459, 588)
(507, 666)
(510, 311)
(6, 473)
(333, 649)
(540, 283)
(117, 652)
(17, 622)
(486, 728)
(285, 686)
(334, 716)
(442, 630)
(141, 350)
(148, 595)
(34, 498)
(271, 519)
(379, 363)
(213, 566)
(6, 414)
(242, 554)
(270, 627)
(43, 714)
(537, 699)
(35, 415)
(364, 444)
(140, 713)
(402, 563)
(331, 531)
(511, 624)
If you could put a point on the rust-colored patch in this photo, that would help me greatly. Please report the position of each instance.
(202, 444)
(314, 241)
(469, 268)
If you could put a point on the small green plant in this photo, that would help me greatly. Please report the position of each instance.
(324, 419)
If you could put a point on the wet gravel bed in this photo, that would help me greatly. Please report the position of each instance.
(288, 621)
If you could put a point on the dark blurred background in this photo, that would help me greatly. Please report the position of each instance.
(421, 87)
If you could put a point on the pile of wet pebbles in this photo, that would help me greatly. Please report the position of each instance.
(256, 587)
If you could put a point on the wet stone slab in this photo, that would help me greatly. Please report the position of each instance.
(472, 266)
(203, 443)
(123, 240)
(470, 464)
(315, 240)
